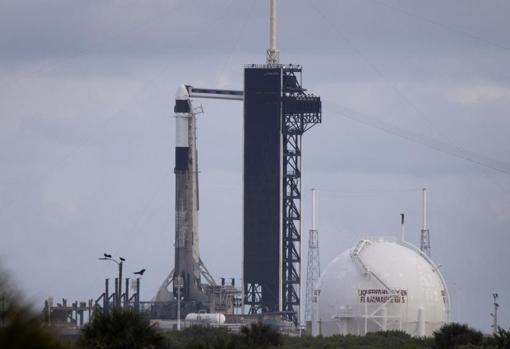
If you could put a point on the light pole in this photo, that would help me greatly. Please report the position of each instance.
(178, 283)
(108, 257)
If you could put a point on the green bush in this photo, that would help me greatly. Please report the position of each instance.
(376, 340)
(502, 339)
(454, 335)
(119, 329)
(259, 335)
(201, 337)
(20, 327)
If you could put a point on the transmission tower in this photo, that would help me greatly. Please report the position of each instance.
(313, 268)
(425, 235)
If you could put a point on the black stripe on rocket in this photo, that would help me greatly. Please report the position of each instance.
(181, 158)
(182, 106)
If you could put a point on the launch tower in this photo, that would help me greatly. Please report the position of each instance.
(277, 112)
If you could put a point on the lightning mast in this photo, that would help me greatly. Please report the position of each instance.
(425, 235)
(272, 53)
(313, 267)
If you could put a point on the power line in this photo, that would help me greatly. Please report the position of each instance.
(407, 101)
(438, 145)
(449, 27)
(429, 142)
(453, 148)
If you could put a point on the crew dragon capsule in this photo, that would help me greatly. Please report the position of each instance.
(187, 256)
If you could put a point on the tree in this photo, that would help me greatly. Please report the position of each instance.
(119, 329)
(453, 335)
(203, 337)
(502, 338)
(259, 335)
(20, 327)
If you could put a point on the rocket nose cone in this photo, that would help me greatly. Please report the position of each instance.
(182, 93)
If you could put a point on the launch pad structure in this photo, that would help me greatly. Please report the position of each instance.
(277, 112)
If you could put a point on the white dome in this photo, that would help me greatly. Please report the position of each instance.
(381, 285)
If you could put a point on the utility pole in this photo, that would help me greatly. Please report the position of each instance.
(495, 314)
(119, 295)
(135, 286)
(126, 294)
(118, 281)
(106, 300)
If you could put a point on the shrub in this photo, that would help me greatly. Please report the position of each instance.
(119, 329)
(259, 335)
(453, 335)
(502, 339)
(19, 326)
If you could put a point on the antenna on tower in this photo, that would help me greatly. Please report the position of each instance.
(425, 234)
(313, 268)
(272, 53)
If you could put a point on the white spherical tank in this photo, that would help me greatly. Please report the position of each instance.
(381, 285)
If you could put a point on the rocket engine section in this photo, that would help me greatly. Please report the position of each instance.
(187, 257)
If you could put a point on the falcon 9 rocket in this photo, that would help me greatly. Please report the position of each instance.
(187, 257)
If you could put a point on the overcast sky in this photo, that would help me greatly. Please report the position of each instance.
(416, 94)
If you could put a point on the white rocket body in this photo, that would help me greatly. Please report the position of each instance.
(187, 258)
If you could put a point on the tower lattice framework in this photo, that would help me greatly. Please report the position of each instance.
(313, 271)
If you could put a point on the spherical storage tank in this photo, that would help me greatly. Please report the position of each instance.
(381, 285)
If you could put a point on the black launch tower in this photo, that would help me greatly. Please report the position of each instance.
(277, 112)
